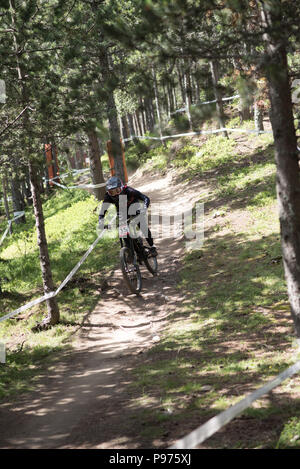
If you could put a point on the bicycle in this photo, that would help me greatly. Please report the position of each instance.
(133, 253)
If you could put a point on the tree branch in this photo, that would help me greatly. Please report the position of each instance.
(15, 120)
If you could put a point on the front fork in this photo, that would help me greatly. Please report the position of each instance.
(128, 242)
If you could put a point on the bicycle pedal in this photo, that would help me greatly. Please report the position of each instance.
(151, 254)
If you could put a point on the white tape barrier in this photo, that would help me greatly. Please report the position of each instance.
(52, 294)
(202, 132)
(78, 186)
(183, 109)
(17, 215)
(206, 430)
(64, 175)
(5, 232)
(72, 171)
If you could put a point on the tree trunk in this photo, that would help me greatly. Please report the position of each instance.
(218, 96)
(17, 198)
(138, 123)
(170, 99)
(143, 116)
(27, 188)
(95, 165)
(121, 127)
(244, 109)
(152, 110)
(5, 199)
(131, 125)
(112, 113)
(53, 311)
(52, 306)
(181, 84)
(197, 90)
(258, 118)
(141, 120)
(187, 94)
(115, 136)
(79, 153)
(175, 98)
(157, 105)
(149, 119)
(125, 126)
(287, 181)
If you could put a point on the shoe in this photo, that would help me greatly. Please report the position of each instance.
(152, 251)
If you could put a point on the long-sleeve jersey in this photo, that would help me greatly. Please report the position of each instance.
(133, 196)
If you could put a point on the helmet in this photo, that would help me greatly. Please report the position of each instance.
(114, 186)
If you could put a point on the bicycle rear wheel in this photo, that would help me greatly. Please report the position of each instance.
(130, 270)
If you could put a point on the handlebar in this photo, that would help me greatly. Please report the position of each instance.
(129, 219)
(139, 212)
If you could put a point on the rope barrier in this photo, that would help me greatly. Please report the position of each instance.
(78, 186)
(202, 132)
(209, 428)
(9, 223)
(62, 285)
(183, 109)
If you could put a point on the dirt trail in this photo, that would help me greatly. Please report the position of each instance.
(86, 402)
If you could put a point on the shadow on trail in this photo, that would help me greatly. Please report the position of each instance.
(79, 400)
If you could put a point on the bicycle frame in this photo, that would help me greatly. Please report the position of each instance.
(130, 242)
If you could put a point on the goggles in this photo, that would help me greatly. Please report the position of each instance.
(115, 191)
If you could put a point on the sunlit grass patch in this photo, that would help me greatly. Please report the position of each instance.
(290, 435)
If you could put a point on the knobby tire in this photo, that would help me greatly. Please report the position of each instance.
(133, 280)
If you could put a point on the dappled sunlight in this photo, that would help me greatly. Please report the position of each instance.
(201, 335)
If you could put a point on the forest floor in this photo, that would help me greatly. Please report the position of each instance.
(207, 330)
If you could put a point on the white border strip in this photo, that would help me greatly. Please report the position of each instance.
(206, 430)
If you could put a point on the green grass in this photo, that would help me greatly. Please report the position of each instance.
(290, 435)
(233, 332)
(70, 222)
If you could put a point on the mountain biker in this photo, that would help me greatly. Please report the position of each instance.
(115, 188)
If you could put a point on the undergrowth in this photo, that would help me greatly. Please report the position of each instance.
(70, 221)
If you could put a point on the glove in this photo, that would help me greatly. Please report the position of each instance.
(143, 211)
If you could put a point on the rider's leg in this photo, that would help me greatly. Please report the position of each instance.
(153, 251)
(149, 239)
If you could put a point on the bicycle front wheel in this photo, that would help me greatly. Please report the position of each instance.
(150, 262)
(130, 270)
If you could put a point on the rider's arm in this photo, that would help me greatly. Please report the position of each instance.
(139, 196)
(104, 208)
